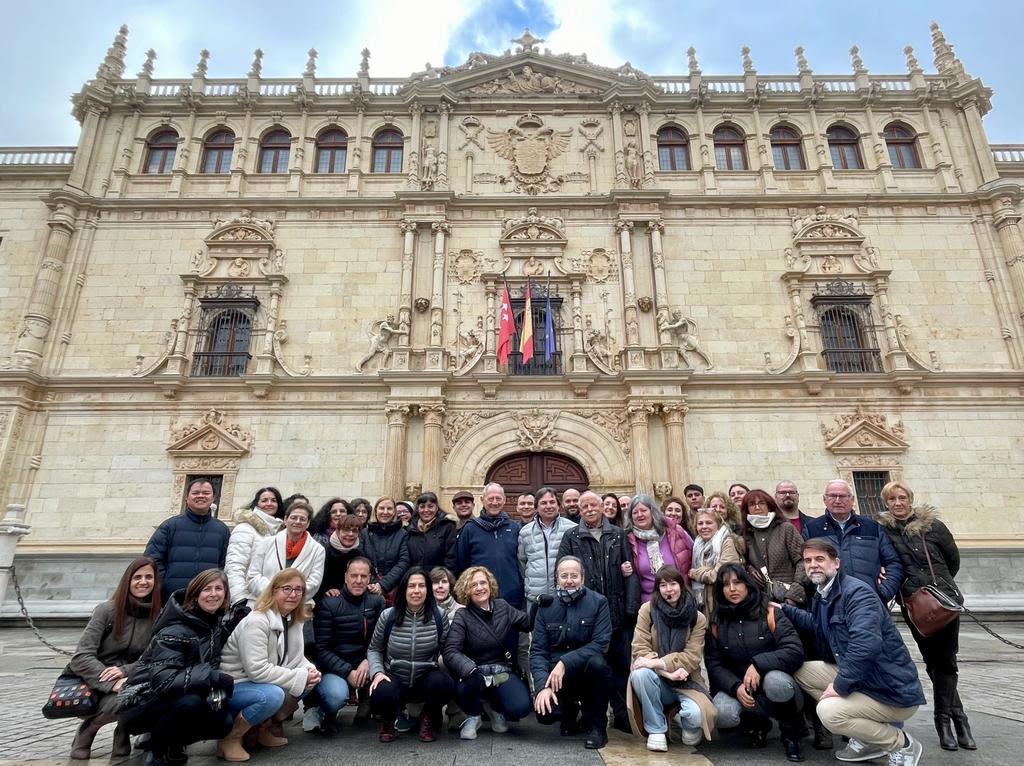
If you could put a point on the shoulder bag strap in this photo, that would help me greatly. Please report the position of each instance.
(928, 556)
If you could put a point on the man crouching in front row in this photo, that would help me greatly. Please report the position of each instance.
(567, 660)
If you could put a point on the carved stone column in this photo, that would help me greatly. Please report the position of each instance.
(764, 160)
(707, 161)
(298, 155)
(943, 167)
(620, 159)
(90, 114)
(433, 417)
(394, 451)
(356, 161)
(408, 229)
(179, 172)
(826, 177)
(445, 111)
(1009, 327)
(634, 353)
(413, 180)
(129, 128)
(644, 110)
(880, 152)
(435, 352)
(240, 155)
(490, 331)
(577, 352)
(669, 352)
(808, 359)
(977, 137)
(896, 356)
(35, 327)
(642, 476)
(265, 359)
(1007, 222)
(673, 416)
(176, 361)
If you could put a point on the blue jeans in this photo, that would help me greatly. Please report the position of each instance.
(654, 693)
(777, 698)
(256, 702)
(333, 692)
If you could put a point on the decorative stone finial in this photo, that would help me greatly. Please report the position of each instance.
(691, 58)
(527, 43)
(946, 62)
(147, 66)
(856, 60)
(364, 64)
(748, 64)
(112, 67)
(257, 63)
(311, 63)
(201, 65)
(912, 63)
(801, 60)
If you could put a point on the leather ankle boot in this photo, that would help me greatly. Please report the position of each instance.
(964, 738)
(944, 728)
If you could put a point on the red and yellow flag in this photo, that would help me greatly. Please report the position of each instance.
(506, 327)
(526, 336)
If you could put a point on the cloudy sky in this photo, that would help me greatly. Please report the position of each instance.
(52, 46)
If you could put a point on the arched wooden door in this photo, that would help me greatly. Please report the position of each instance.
(528, 471)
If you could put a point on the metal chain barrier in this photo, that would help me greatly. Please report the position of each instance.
(991, 632)
(28, 619)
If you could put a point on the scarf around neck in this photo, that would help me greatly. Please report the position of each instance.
(761, 522)
(706, 554)
(292, 550)
(673, 624)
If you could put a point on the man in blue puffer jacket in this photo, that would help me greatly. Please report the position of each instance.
(864, 547)
(492, 540)
(185, 545)
(867, 680)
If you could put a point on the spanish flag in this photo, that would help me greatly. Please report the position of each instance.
(526, 336)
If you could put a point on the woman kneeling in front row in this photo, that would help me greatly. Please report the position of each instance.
(667, 649)
(751, 654)
(265, 655)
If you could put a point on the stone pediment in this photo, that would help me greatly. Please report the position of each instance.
(533, 229)
(864, 432)
(824, 226)
(245, 229)
(211, 436)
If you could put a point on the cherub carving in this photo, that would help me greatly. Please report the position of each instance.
(380, 333)
(684, 330)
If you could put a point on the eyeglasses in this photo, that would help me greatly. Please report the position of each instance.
(291, 590)
(833, 498)
(303, 518)
(787, 492)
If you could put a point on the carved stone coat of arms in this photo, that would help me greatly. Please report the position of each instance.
(530, 147)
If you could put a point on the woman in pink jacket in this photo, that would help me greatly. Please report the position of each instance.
(656, 542)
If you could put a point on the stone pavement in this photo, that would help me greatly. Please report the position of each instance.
(991, 676)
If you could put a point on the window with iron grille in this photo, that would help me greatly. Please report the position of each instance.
(848, 339)
(226, 329)
(867, 486)
(539, 364)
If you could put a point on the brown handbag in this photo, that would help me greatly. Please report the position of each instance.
(928, 608)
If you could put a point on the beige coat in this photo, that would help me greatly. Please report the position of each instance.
(255, 652)
(645, 642)
(706, 575)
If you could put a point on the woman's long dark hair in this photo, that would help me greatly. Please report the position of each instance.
(321, 522)
(277, 496)
(617, 519)
(401, 596)
(123, 593)
(754, 606)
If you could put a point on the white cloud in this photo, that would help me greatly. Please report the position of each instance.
(585, 26)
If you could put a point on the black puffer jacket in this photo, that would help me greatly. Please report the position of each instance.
(909, 537)
(183, 657)
(185, 545)
(387, 548)
(436, 546)
(602, 568)
(476, 637)
(335, 564)
(343, 626)
(740, 643)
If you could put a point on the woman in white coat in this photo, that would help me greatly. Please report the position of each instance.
(266, 658)
(293, 547)
(259, 520)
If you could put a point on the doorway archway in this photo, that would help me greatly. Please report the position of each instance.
(528, 471)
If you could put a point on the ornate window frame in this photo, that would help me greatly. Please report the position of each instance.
(210, 445)
(866, 441)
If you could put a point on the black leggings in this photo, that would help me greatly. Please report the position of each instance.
(434, 688)
(511, 699)
(178, 721)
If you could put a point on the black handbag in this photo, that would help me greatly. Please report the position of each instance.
(71, 698)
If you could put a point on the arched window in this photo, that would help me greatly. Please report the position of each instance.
(902, 144)
(673, 150)
(224, 345)
(786, 151)
(331, 151)
(274, 150)
(217, 150)
(844, 148)
(730, 150)
(387, 152)
(160, 152)
(844, 342)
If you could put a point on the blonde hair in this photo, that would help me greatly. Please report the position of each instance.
(462, 585)
(892, 486)
(707, 512)
(732, 511)
(266, 603)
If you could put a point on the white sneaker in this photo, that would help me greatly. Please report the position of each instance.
(856, 751)
(657, 743)
(909, 755)
(469, 727)
(312, 719)
(498, 723)
(691, 736)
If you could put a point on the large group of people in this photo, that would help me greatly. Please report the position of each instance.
(717, 615)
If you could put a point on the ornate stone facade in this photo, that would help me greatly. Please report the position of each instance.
(697, 302)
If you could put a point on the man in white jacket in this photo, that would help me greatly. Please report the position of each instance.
(538, 546)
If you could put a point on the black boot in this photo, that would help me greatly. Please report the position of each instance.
(792, 747)
(964, 738)
(944, 728)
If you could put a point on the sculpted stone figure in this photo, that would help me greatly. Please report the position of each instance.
(600, 347)
(380, 337)
(428, 173)
(683, 329)
(634, 167)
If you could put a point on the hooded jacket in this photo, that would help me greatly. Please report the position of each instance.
(433, 547)
(252, 527)
(493, 542)
(909, 537)
(185, 545)
(387, 548)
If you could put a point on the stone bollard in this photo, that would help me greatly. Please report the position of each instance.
(12, 527)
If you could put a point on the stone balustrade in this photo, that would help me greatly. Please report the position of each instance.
(37, 155)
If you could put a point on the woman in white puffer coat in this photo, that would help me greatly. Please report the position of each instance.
(259, 520)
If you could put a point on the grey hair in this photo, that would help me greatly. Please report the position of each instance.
(578, 560)
(844, 482)
(490, 484)
(656, 515)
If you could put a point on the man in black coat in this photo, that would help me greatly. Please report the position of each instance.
(567, 659)
(604, 549)
(343, 626)
(189, 543)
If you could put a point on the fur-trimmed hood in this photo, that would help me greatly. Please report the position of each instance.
(920, 521)
(264, 524)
